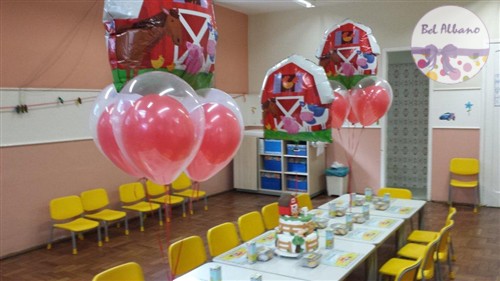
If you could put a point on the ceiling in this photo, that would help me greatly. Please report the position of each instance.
(253, 7)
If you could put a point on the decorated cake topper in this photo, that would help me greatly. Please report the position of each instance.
(167, 35)
(295, 98)
(348, 52)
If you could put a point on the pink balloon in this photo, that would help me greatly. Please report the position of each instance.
(340, 105)
(158, 135)
(370, 103)
(108, 144)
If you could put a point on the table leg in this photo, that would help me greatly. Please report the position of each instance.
(421, 218)
(371, 266)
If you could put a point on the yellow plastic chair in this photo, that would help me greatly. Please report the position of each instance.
(414, 250)
(426, 269)
(132, 197)
(426, 236)
(66, 214)
(271, 215)
(182, 186)
(130, 271)
(250, 225)
(221, 238)
(158, 193)
(95, 203)
(186, 254)
(304, 200)
(395, 192)
(408, 273)
(464, 173)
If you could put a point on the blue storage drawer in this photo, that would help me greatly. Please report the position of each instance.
(296, 149)
(296, 183)
(270, 181)
(297, 165)
(272, 146)
(272, 163)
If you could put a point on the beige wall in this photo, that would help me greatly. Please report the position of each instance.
(55, 44)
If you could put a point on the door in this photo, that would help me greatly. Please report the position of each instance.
(406, 137)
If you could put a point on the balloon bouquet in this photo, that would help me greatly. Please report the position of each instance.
(348, 53)
(161, 117)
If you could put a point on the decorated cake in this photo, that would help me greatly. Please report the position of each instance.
(296, 232)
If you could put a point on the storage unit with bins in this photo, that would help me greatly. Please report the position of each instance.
(282, 166)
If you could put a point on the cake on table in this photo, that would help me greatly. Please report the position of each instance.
(296, 232)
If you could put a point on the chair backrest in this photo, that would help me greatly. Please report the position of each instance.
(464, 166)
(409, 273)
(250, 225)
(186, 254)
(66, 207)
(181, 182)
(128, 271)
(271, 215)
(155, 189)
(94, 199)
(445, 233)
(222, 238)
(304, 200)
(427, 266)
(131, 192)
(395, 192)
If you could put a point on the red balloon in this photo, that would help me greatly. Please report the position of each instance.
(370, 104)
(220, 142)
(339, 110)
(159, 137)
(108, 144)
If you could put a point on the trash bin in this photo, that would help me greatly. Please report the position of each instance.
(336, 180)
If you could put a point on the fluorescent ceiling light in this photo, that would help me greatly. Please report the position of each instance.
(305, 3)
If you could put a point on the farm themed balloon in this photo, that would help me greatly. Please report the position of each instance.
(174, 36)
(223, 134)
(295, 99)
(156, 124)
(371, 98)
(348, 52)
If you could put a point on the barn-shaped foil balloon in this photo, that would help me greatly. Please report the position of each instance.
(348, 52)
(176, 36)
(295, 99)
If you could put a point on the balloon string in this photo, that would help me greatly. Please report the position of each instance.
(167, 226)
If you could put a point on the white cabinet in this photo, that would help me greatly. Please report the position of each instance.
(280, 166)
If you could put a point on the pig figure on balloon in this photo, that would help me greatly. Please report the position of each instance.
(348, 54)
(158, 127)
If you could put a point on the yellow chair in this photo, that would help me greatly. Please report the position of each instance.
(408, 273)
(182, 186)
(304, 200)
(132, 197)
(425, 236)
(464, 173)
(130, 271)
(186, 254)
(221, 238)
(95, 203)
(395, 192)
(426, 269)
(250, 225)
(68, 211)
(271, 215)
(414, 250)
(158, 193)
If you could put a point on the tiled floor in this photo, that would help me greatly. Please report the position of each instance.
(475, 237)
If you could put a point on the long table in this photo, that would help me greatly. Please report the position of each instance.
(230, 272)
(399, 208)
(336, 264)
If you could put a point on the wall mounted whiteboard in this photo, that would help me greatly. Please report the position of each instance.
(455, 108)
(54, 122)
